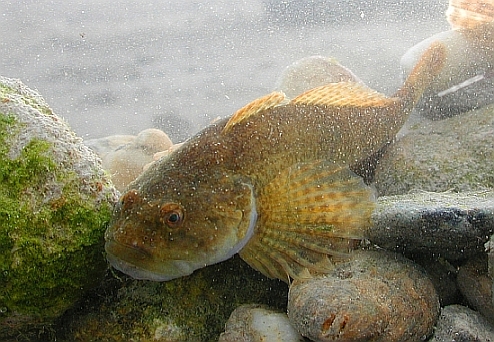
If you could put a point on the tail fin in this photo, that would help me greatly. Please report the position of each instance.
(429, 65)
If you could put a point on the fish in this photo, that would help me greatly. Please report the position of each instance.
(271, 183)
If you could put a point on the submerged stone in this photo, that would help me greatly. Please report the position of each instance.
(192, 308)
(311, 72)
(252, 323)
(376, 296)
(466, 80)
(124, 156)
(454, 226)
(55, 201)
(453, 154)
(461, 324)
(475, 285)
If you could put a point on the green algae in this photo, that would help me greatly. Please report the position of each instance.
(51, 234)
(193, 308)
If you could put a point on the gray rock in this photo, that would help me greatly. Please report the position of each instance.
(453, 154)
(466, 81)
(461, 324)
(366, 298)
(312, 72)
(450, 225)
(124, 156)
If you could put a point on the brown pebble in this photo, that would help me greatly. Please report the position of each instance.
(475, 285)
(376, 296)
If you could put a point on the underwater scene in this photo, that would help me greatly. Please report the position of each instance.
(263, 170)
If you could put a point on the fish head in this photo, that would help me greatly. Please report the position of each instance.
(169, 228)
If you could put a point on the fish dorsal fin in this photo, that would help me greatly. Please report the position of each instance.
(261, 104)
(343, 94)
(310, 215)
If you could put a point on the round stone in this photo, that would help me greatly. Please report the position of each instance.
(376, 296)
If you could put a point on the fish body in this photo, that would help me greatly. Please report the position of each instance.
(271, 183)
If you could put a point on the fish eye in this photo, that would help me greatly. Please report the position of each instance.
(172, 214)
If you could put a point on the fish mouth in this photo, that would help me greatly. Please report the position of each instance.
(139, 264)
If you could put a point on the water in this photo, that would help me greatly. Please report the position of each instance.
(119, 67)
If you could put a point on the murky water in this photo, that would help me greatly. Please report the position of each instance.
(119, 67)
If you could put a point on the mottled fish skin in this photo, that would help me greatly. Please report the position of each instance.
(271, 182)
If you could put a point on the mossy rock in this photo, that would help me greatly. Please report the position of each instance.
(454, 154)
(192, 308)
(55, 201)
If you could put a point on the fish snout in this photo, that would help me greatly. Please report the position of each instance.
(140, 264)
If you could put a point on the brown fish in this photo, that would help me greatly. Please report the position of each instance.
(271, 183)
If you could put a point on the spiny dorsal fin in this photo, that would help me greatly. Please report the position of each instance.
(343, 94)
(312, 215)
(256, 106)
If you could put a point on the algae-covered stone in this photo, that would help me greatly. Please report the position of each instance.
(192, 308)
(54, 203)
(452, 154)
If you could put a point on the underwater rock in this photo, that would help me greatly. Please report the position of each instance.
(193, 308)
(449, 225)
(312, 72)
(366, 298)
(475, 285)
(489, 247)
(461, 324)
(453, 154)
(158, 155)
(55, 202)
(467, 79)
(103, 146)
(125, 156)
(443, 275)
(252, 323)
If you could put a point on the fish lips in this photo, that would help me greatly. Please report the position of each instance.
(139, 264)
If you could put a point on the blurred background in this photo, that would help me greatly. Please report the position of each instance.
(118, 67)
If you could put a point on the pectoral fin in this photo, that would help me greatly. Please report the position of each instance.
(310, 215)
